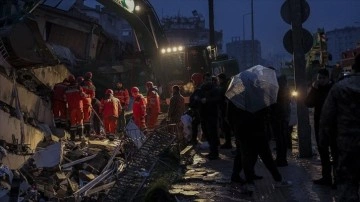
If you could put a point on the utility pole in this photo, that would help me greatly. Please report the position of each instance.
(304, 129)
(211, 24)
(252, 34)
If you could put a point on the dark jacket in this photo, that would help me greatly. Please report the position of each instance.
(213, 97)
(316, 98)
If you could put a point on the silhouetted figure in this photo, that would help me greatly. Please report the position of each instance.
(340, 126)
(316, 98)
(280, 121)
(224, 124)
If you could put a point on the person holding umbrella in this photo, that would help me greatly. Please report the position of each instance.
(253, 92)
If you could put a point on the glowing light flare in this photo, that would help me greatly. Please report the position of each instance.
(137, 8)
(189, 87)
(294, 93)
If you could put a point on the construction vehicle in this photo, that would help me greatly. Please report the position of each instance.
(318, 56)
(177, 67)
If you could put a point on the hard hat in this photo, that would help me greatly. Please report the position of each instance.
(149, 84)
(197, 78)
(80, 79)
(88, 75)
(71, 78)
(109, 91)
(134, 90)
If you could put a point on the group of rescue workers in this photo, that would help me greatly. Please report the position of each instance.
(76, 108)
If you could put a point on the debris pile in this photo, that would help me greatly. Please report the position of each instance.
(66, 170)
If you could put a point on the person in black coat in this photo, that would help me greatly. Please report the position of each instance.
(209, 113)
(280, 121)
(224, 124)
(315, 99)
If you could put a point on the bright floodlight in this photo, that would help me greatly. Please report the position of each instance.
(137, 8)
(294, 93)
(180, 48)
(174, 49)
(168, 50)
(163, 51)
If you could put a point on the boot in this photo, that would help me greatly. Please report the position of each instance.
(57, 124)
(72, 135)
(87, 130)
(80, 132)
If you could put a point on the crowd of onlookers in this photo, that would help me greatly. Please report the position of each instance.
(335, 99)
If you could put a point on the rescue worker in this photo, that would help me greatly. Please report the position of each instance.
(152, 106)
(74, 95)
(58, 103)
(110, 109)
(89, 89)
(340, 128)
(139, 108)
(122, 94)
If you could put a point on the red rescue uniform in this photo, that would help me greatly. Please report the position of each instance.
(110, 109)
(152, 108)
(123, 95)
(139, 111)
(89, 89)
(59, 104)
(74, 95)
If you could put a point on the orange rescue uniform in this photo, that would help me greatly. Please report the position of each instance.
(59, 104)
(139, 111)
(152, 108)
(89, 89)
(110, 109)
(74, 95)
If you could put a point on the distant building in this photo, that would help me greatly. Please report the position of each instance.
(189, 31)
(241, 50)
(340, 40)
(348, 57)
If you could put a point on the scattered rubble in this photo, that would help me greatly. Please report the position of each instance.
(62, 170)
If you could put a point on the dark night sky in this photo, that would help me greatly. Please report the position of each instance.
(269, 27)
